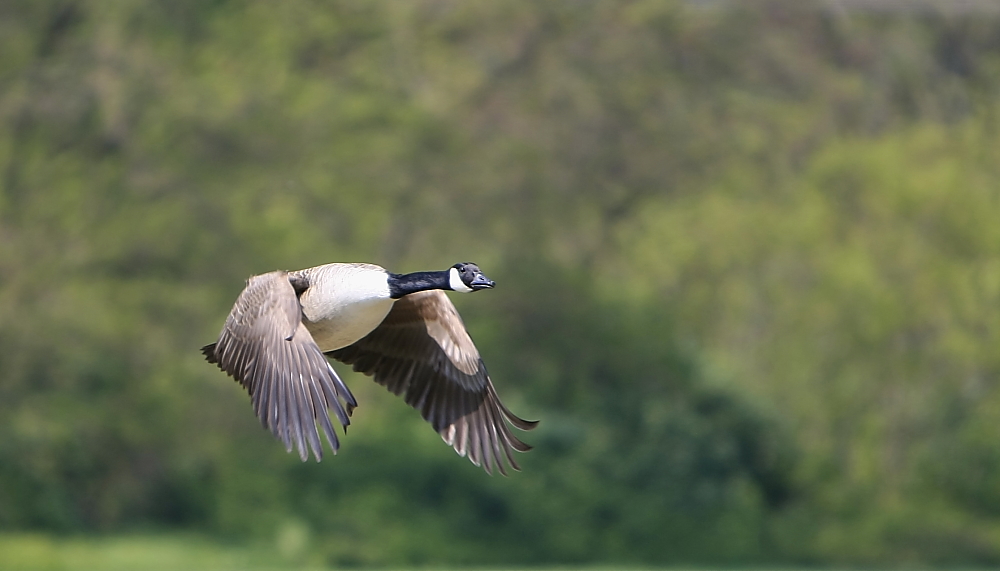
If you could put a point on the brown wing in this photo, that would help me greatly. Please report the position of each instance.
(265, 347)
(423, 352)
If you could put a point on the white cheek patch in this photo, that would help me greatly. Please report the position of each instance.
(455, 282)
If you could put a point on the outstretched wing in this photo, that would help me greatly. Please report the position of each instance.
(423, 352)
(265, 346)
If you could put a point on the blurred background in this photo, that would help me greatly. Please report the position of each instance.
(747, 255)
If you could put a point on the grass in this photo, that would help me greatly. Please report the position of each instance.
(26, 552)
(161, 552)
(188, 552)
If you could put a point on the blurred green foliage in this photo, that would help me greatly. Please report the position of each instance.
(748, 262)
(159, 552)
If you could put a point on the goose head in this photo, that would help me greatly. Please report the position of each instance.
(466, 277)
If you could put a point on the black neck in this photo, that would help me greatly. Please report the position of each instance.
(403, 284)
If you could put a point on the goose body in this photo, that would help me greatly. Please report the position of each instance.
(399, 328)
(344, 302)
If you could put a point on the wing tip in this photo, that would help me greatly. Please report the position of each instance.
(522, 424)
(209, 352)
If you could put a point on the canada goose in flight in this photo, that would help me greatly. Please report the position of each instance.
(400, 328)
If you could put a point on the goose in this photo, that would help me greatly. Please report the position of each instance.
(399, 328)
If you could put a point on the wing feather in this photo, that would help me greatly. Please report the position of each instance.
(422, 352)
(265, 346)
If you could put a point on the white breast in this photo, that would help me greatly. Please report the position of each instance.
(344, 303)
